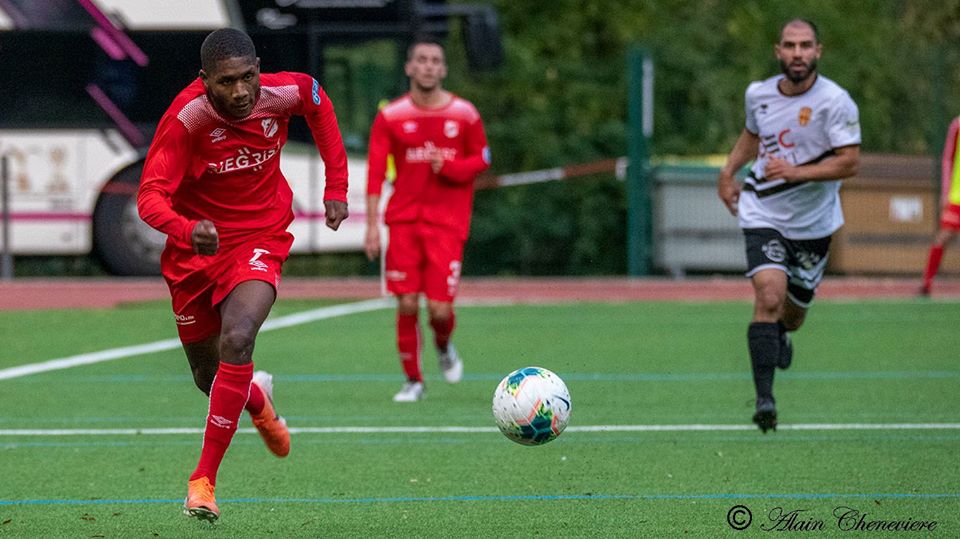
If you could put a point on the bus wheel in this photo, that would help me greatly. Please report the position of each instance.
(123, 242)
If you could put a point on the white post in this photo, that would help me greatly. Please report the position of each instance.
(6, 259)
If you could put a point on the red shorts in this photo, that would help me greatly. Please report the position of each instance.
(199, 283)
(950, 219)
(424, 258)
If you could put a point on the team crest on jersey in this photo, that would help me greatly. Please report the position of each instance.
(804, 117)
(410, 126)
(451, 128)
(269, 127)
(218, 134)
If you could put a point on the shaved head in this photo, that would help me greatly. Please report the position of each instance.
(224, 44)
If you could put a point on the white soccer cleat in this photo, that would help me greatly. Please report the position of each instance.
(265, 380)
(450, 365)
(410, 392)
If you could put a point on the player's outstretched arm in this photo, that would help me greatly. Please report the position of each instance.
(744, 151)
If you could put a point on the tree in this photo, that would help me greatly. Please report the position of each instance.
(561, 98)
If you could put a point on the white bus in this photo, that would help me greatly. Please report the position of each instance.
(85, 82)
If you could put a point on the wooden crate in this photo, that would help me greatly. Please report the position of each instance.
(891, 211)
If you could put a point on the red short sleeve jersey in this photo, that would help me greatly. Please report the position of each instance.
(202, 165)
(409, 133)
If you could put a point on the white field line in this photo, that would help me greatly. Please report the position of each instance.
(482, 430)
(170, 344)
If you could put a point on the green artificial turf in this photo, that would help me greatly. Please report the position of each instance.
(637, 365)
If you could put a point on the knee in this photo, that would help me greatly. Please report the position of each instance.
(440, 314)
(768, 304)
(769, 299)
(407, 305)
(438, 318)
(236, 342)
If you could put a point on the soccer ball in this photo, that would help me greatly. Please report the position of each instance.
(531, 406)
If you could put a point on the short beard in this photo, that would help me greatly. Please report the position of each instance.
(811, 69)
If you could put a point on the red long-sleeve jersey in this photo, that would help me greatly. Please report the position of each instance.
(409, 133)
(202, 165)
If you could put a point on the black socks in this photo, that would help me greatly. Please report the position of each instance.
(764, 341)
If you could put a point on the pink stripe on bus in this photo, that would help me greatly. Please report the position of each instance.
(53, 216)
(117, 35)
(113, 50)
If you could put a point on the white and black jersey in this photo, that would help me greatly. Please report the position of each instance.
(802, 129)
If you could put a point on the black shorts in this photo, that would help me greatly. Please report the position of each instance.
(802, 260)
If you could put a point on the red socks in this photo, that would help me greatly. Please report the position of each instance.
(442, 329)
(408, 341)
(256, 401)
(231, 388)
(933, 264)
(408, 344)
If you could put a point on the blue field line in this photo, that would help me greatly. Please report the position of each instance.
(648, 376)
(459, 429)
(514, 498)
(569, 377)
(747, 436)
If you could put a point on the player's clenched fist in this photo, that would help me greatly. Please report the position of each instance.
(206, 241)
(335, 211)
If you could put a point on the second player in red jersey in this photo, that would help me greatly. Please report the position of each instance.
(439, 147)
(212, 183)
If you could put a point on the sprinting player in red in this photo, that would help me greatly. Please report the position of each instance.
(950, 197)
(439, 147)
(212, 183)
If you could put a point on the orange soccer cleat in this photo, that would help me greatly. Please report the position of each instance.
(200, 502)
(272, 428)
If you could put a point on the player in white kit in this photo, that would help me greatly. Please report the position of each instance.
(803, 135)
